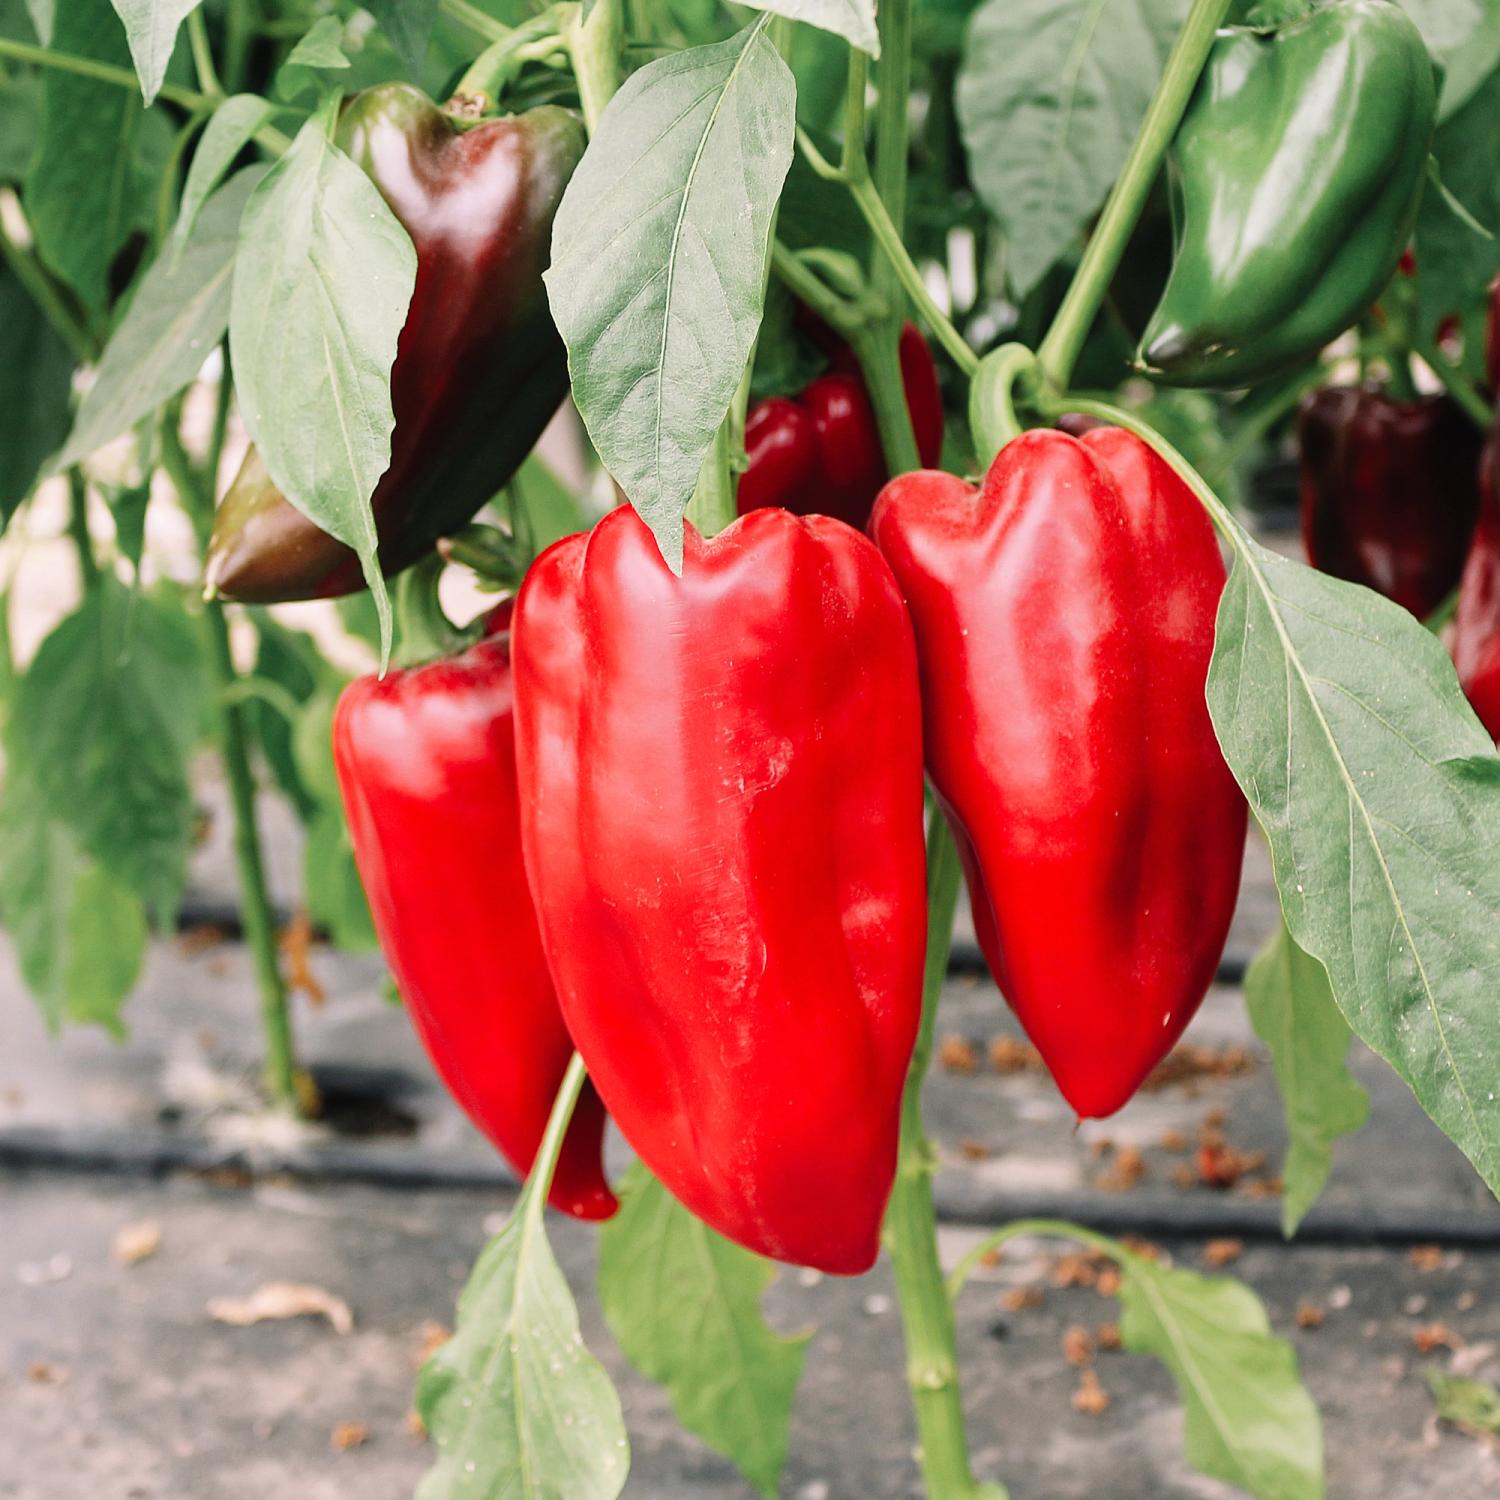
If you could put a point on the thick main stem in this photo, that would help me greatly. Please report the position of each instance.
(594, 46)
(281, 1069)
(910, 1232)
(1060, 349)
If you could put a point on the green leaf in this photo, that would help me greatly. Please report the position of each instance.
(854, 20)
(1454, 265)
(1050, 95)
(659, 254)
(551, 509)
(1379, 793)
(232, 127)
(20, 106)
(290, 659)
(684, 1305)
(179, 313)
(320, 50)
(1294, 1014)
(331, 885)
(128, 507)
(515, 1403)
(322, 283)
(1463, 37)
(36, 391)
(43, 15)
(104, 723)
(80, 936)
(1469, 1404)
(151, 29)
(85, 192)
(1249, 1419)
(408, 24)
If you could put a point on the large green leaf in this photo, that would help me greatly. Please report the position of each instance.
(408, 24)
(232, 126)
(684, 1305)
(517, 1406)
(84, 192)
(321, 287)
(36, 391)
(151, 29)
(1379, 793)
(1464, 39)
(1050, 94)
(20, 106)
(854, 20)
(179, 313)
(104, 723)
(1294, 1014)
(80, 936)
(1249, 1419)
(659, 256)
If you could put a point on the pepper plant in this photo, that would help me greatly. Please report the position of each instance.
(672, 793)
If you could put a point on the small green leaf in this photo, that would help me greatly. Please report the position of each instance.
(331, 885)
(549, 508)
(408, 24)
(104, 723)
(36, 392)
(179, 313)
(684, 1305)
(151, 29)
(1050, 94)
(1250, 1421)
(232, 127)
(854, 20)
(1379, 794)
(1469, 1404)
(1294, 1014)
(80, 936)
(322, 284)
(515, 1403)
(289, 659)
(319, 51)
(659, 254)
(85, 190)
(128, 507)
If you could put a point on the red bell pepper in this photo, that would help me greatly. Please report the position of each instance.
(721, 793)
(427, 765)
(1064, 615)
(1476, 625)
(1389, 491)
(820, 453)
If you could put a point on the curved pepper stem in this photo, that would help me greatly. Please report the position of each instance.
(992, 396)
(425, 632)
(480, 89)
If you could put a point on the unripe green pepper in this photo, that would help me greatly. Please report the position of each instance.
(1295, 175)
(479, 368)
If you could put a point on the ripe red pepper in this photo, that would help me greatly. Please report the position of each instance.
(479, 368)
(1064, 615)
(721, 792)
(427, 763)
(820, 453)
(1476, 625)
(1389, 491)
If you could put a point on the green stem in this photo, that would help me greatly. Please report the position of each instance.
(42, 290)
(544, 1164)
(475, 19)
(807, 287)
(239, 31)
(1254, 424)
(893, 75)
(78, 529)
(595, 45)
(1054, 1229)
(910, 1231)
(282, 1073)
(487, 76)
(88, 67)
(1459, 386)
(203, 57)
(880, 363)
(712, 506)
(1061, 347)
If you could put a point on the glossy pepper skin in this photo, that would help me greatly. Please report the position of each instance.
(1064, 615)
(479, 367)
(427, 764)
(1295, 178)
(819, 453)
(1390, 491)
(721, 791)
(1476, 625)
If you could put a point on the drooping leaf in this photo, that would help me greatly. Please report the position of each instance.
(103, 725)
(319, 51)
(151, 29)
(514, 1402)
(232, 127)
(85, 192)
(1294, 1014)
(1379, 793)
(321, 287)
(659, 257)
(408, 24)
(179, 313)
(1050, 95)
(684, 1305)
(36, 390)
(1250, 1421)
(80, 935)
(854, 20)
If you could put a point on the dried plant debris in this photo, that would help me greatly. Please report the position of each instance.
(283, 1299)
